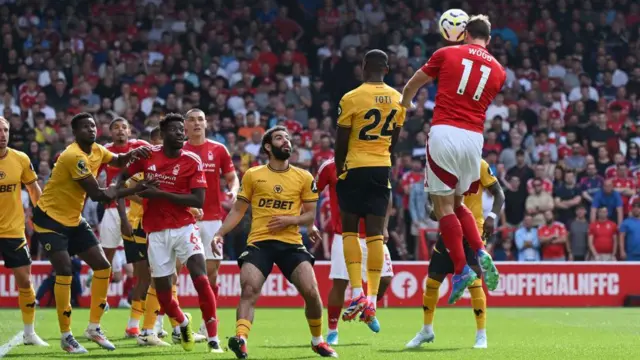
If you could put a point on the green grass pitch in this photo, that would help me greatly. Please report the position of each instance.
(540, 334)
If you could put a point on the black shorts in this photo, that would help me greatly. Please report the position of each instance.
(263, 254)
(365, 191)
(135, 248)
(73, 239)
(441, 262)
(15, 252)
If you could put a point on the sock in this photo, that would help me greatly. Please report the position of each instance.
(430, 301)
(375, 261)
(137, 310)
(216, 290)
(152, 309)
(451, 231)
(27, 302)
(333, 313)
(353, 258)
(243, 327)
(479, 304)
(174, 293)
(128, 286)
(373, 299)
(355, 292)
(207, 304)
(62, 293)
(170, 306)
(469, 228)
(99, 289)
(315, 326)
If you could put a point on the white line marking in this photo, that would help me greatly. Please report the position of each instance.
(15, 341)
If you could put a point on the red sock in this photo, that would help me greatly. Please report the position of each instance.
(207, 304)
(170, 305)
(161, 311)
(451, 231)
(469, 228)
(128, 285)
(334, 316)
(216, 289)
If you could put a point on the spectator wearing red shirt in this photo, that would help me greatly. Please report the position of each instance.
(287, 28)
(547, 185)
(491, 144)
(624, 184)
(323, 154)
(553, 238)
(612, 170)
(603, 237)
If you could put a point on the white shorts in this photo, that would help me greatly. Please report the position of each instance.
(453, 160)
(339, 266)
(119, 261)
(110, 235)
(207, 230)
(167, 246)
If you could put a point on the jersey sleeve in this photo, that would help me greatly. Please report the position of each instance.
(197, 179)
(28, 175)
(487, 179)
(246, 187)
(309, 188)
(76, 163)
(322, 177)
(135, 167)
(107, 155)
(135, 178)
(226, 164)
(432, 67)
(345, 113)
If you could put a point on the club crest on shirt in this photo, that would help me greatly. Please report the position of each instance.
(2, 175)
(176, 170)
(82, 166)
(277, 189)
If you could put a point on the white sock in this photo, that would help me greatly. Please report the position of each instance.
(29, 329)
(331, 331)
(133, 323)
(243, 338)
(213, 338)
(316, 340)
(93, 326)
(373, 299)
(481, 332)
(159, 320)
(427, 328)
(65, 334)
(356, 292)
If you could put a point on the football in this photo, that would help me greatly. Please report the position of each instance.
(452, 24)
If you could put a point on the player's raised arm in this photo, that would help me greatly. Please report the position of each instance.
(422, 76)
(122, 160)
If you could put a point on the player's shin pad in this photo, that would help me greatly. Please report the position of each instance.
(27, 302)
(353, 258)
(479, 303)
(62, 294)
(430, 300)
(375, 261)
(99, 289)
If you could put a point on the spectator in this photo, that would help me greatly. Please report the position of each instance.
(515, 201)
(610, 199)
(553, 240)
(630, 235)
(578, 234)
(567, 198)
(591, 183)
(527, 241)
(521, 169)
(538, 203)
(542, 175)
(603, 237)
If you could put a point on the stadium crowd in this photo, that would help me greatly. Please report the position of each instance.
(562, 137)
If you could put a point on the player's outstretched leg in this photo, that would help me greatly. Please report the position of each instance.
(27, 303)
(334, 308)
(212, 274)
(251, 282)
(304, 279)
(479, 306)
(472, 235)
(94, 257)
(429, 303)
(148, 336)
(138, 303)
(198, 271)
(176, 333)
(172, 309)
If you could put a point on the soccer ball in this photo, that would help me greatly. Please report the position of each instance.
(452, 24)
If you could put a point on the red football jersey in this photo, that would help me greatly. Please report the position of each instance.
(408, 179)
(547, 186)
(469, 78)
(328, 176)
(552, 250)
(113, 171)
(603, 233)
(216, 162)
(624, 183)
(612, 171)
(176, 175)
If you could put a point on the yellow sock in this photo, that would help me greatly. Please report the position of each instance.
(62, 294)
(174, 291)
(243, 327)
(152, 308)
(430, 300)
(99, 289)
(315, 326)
(137, 309)
(375, 261)
(27, 301)
(479, 304)
(353, 258)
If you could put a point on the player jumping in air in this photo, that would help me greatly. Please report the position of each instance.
(370, 118)
(469, 78)
(216, 162)
(441, 264)
(16, 169)
(170, 225)
(282, 198)
(110, 229)
(327, 177)
(62, 231)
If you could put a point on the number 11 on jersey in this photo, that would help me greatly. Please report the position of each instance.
(468, 65)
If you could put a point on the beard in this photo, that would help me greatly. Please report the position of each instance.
(280, 154)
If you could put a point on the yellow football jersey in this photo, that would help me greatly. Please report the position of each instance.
(135, 210)
(15, 169)
(63, 198)
(474, 201)
(372, 111)
(276, 193)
